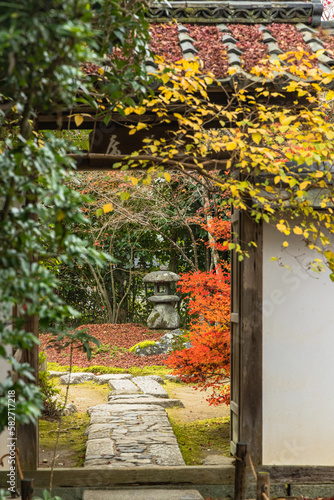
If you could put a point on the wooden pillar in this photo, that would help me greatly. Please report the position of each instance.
(240, 472)
(27, 434)
(27, 489)
(250, 323)
(263, 486)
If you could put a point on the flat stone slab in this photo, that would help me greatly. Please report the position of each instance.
(71, 379)
(76, 378)
(98, 409)
(123, 387)
(150, 386)
(142, 494)
(165, 403)
(104, 379)
(53, 374)
(156, 377)
(167, 454)
(99, 448)
(133, 429)
(85, 375)
(98, 431)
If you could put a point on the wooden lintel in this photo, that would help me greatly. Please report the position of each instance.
(96, 161)
(82, 477)
(185, 475)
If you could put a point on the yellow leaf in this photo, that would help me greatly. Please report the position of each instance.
(285, 244)
(281, 227)
(257, 137)
(167, 176)
(78, 120)
(100, 71)
(297, 230)
(141, 125)
(230, 146)
(319, 174)
(132, 131)
(304, 185)
(134, 181)
(269, 189)
(128, 111)
(327, 80)
(208, 80)
(329, 95)
(108, 207)
(140, 110)
(165, 78)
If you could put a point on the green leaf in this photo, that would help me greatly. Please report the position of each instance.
(124, 195)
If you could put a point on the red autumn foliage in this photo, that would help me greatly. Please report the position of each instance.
(328, 40)
(250, 41)
(207, 361)
(220, 230)
(118, 337)
(211, 50)
(165, 41)
(288, 37)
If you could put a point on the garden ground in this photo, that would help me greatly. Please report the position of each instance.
(202, 430)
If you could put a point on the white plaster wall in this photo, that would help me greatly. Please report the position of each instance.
(298, 357)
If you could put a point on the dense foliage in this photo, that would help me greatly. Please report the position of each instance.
(43, 46)
(161, 222)
(207, 361)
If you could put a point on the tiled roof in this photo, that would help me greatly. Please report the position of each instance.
(224, 46)
(237, 11)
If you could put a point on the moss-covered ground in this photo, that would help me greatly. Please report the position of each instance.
(197, 439)
(201, 430)
(99, 369)
(72, 438)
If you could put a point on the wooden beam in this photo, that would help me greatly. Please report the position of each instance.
(300, 475)
(83, 477)
(185, 475)
(95, 161)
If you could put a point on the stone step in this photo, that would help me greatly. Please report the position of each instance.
(150, 386)
(142, 494)
(165, 403)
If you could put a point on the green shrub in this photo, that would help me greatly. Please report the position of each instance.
(52, 405)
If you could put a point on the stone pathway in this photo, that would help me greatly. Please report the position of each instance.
(133, 429)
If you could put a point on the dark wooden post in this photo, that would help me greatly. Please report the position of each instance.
(27, 434)
(263, 486)
(240, 472)
(27, 489)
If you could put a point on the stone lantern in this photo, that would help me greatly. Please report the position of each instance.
(164, 314)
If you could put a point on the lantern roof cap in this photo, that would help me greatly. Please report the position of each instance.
(162, 276)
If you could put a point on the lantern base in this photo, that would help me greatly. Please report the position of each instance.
(163, 315)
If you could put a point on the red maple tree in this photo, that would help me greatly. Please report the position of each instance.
(207, 362)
